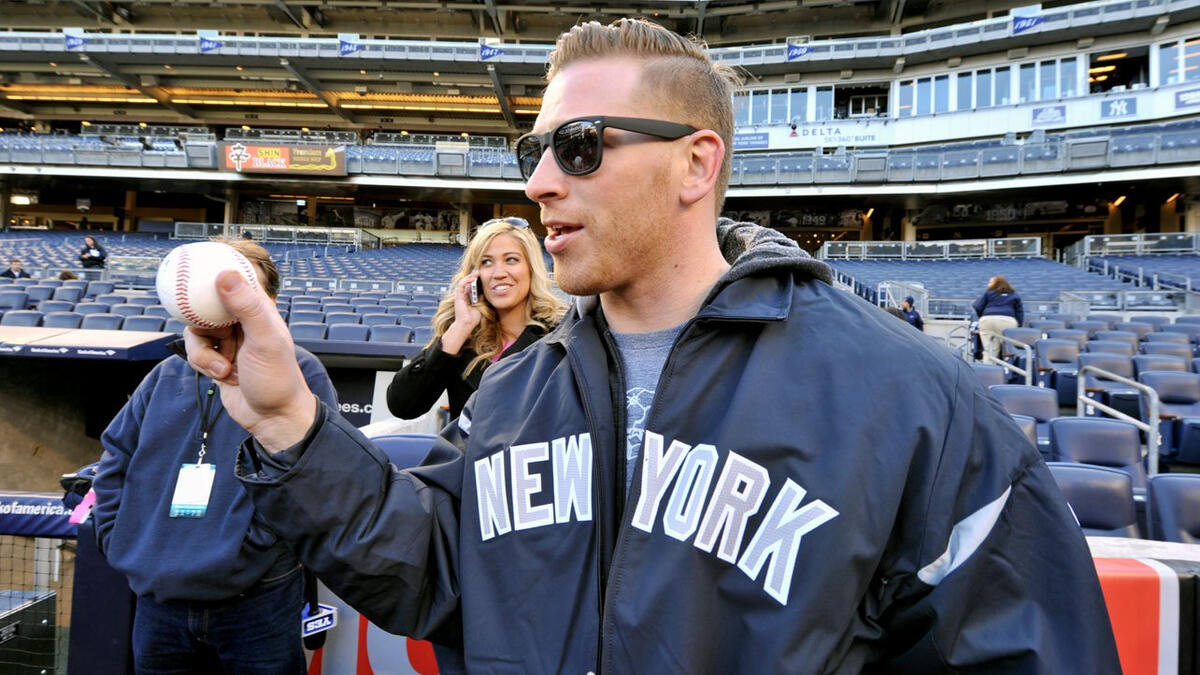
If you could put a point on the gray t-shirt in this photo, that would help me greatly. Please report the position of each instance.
(642, 358)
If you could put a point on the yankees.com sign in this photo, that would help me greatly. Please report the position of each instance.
(312, 160)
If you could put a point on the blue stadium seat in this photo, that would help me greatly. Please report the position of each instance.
(1156, 320)
(1179, 421)
(39, 294)
(1111, 346)
(1057, 368)
(422, 334)
(1136, 327)
(990, 374)
(348, 331)
(102, 321)
(10, 300)
(341, 317)
(1046, 324)
(110, 299)
(1110, 319)
(1173, 508)
(97, 288)
(1090, 326)
(1168, 336)
(405, 450)
(1036, 402)
(173, 326)
(337, 307)
(144, 300)
(1168, 348)
(1100, 497)
(378, 319)
(307, 330)
(1079, 336)
(1101, 442)
(144, 323)
(86, 308)
(126, 310)
(1119, 336)
(70, 294)
(1028, 426)
(62, 320)
(1107, 391)
(21, 317)
(48, 306)
(386, 333)
(306, 316)
(1146, 362)
(156, 310)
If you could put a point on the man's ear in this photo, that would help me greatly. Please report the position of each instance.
(706, 154)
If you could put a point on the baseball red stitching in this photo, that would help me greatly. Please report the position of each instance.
(182, 274)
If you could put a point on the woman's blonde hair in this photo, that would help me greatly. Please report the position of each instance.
(542, 306)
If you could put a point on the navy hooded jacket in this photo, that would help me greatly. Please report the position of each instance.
(801, 504)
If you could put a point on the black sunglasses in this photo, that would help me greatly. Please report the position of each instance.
(579, 143)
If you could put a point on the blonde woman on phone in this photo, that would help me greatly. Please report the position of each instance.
(500, 301)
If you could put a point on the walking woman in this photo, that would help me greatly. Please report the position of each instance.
(998, 308)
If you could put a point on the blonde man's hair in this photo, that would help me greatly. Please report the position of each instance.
(259, 257)
(542, 307)
(678, 73)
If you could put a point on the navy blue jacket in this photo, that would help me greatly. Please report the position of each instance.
(914, 317)
(209, 558)
(1003, 304)
(801, 505)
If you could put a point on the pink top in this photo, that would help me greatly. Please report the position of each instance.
(503, 348)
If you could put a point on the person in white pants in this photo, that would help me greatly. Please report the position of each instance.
(998, 308)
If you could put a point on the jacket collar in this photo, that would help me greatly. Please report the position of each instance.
(764, 267)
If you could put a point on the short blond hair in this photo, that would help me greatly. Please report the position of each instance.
(260, 258)
(679, 72)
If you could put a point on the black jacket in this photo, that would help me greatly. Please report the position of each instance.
(9, 273)
(88, 259)
(417, 386)
(801, 505)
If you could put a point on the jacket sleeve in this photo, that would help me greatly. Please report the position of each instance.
(993, 573)
(384, 540)
(417, 386)
(318, 380)
(1019, 310)
(119, 441)
(920, 322)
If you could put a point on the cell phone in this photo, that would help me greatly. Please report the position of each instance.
(476, 290)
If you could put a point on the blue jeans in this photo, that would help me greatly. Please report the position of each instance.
(255, 632)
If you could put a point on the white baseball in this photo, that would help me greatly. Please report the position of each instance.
(187, 282)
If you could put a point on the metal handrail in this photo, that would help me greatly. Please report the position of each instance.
(1026, 372)
(1152, 435)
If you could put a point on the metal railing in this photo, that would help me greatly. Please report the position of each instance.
(1026, 372)
(946, 249)
(1153, 409)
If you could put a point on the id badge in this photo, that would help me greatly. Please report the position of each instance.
(192, 489)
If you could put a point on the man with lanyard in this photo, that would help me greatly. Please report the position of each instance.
(217, 592)
(711, 465)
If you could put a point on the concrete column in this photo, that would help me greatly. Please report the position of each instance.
(908, 231)
(1112, 224)
(130, 219)
(231, 207)
(1191, 217)
(5, 205)
(312, 212)
(1168, 218)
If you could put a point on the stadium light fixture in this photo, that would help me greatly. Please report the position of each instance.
(142, 125)
(1112, 57)
(19, 200)
(1101, 69)
(869, 212)
(1172, 198)
(53, 64)
(85, 123)
(1118, 201)
(245, 127)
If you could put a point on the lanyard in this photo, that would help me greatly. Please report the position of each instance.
(205, 405)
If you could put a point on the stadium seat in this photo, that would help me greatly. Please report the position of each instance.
(70, 294)
(156, 310)
(1111, 346)
(340, 317)
(102, 321)
(61, 320)
(1079, 336)
(1168, 348)
(307, 330)
(75, 283)
(1057, 367)
(143, 300)
(306, 316)
(1168, 336)
(144, 323)
(347, 331)
(1141, 330)
(39, 294)
(1100, 497)
(86, 308)
(1110, 319)
(1065, 318)
(386, 333)
(1028, 426)
(21, 317)
(1189, 318)
(48, 306)
(1147, 362)
(1173, 507)
(337, 307)
(110, 299)
(1158, 321)
(990, 373)
(10, 300)
(1179, 421)
(405, 450)
(1119, 336)
(1102, 442)
(1036, 402)
(1107, 391)
(126, 310)
(98, 288)
(1091, 327)
(422, 334)
(378, 319)
(1046, 324)
(173, 326)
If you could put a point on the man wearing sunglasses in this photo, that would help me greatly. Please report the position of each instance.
(712, 465)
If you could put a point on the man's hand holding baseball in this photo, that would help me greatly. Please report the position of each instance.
(254, 363)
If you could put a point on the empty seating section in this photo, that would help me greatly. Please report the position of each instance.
(1173, 271)
(1034, 278)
